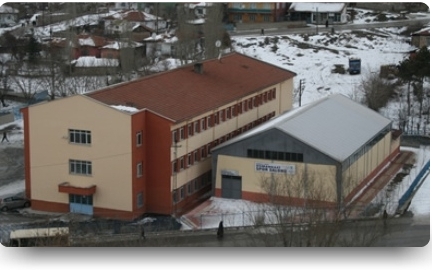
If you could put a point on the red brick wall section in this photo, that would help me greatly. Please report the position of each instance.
(158, 163)
(97, 212)
(27, 165)
(49, 206)
(138, 155)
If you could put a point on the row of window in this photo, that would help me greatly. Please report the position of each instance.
(84, 167)
(221, 116)
(203, 152)
(84, 137)
(275, 155)
(191, 187)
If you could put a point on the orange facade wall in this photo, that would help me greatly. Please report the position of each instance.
(158, 197)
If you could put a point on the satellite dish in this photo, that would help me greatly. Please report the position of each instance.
(218, 43)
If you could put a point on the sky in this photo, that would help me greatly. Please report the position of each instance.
(314, 67)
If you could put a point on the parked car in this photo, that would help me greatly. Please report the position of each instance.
(13, 202)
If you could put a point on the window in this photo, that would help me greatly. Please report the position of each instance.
(189, 160)
(181, 193)
(139, 169)
(228, 113)
(196, 184)
(80, 167)
(175, 136)
(252, 17)
(189, 188)
(182, 163)
(190, 130)
(216, 119)
(208, 149)
(203, 124)
(222, 116)
(139, 138)
(203, 152)
(182, 134)
(197, 126)
(140, 201)
(174, 166)
(174, 196)
(209, 122)
(196, 156)
(79, 136)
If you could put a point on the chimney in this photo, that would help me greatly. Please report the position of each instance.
(199, 68)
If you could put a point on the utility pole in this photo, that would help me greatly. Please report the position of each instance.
(316, 20)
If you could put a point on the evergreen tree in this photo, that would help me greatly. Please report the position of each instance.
(33, 50)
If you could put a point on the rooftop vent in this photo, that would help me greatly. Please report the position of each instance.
(199, 68)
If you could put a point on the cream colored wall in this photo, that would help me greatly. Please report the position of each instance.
(110, 151)
(281, 103)
(321, 178)
(364, 166)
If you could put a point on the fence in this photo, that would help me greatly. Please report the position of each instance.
(413, 188)
(289, 215)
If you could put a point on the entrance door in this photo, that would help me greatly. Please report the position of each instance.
(81, 204)
(231, 186)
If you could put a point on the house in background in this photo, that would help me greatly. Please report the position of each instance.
(8, 16)
(144, 146)
(318, 13)
(246, 12)
(160, 45)
(89, 45)
(327, 151)
(122, 22)
(421, 38)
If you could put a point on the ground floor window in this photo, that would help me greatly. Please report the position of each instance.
(81, 199)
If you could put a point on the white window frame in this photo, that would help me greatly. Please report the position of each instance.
(139, 170)
(80, 167)
(77, 136)
(139, 138)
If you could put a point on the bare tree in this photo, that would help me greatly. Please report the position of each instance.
(301, 214)
(377, 92)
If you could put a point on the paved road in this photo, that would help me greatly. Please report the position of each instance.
(321, 29)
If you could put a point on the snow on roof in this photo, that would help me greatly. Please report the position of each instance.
(125, 108)
(202, 4)
(91, 61)
(162, 37)
(86, 42)
(7, 9)
(334, 125)
(321, 7)
(197, 21)
(423, 31)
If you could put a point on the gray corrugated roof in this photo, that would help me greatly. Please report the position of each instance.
(335, 126)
